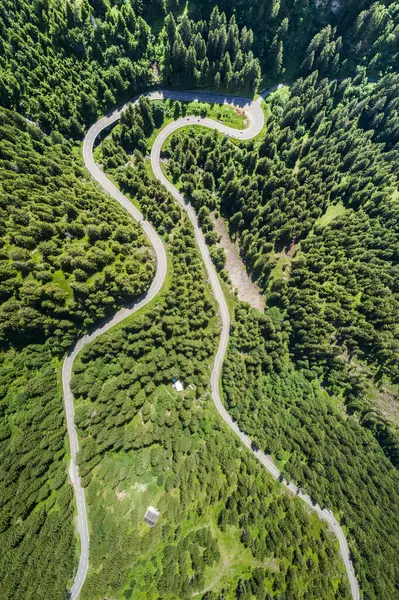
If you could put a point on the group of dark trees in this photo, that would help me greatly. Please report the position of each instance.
(68, 258)
(62, 63)
(137, 122)
(364, 31)
(37, 504)
(318, 150)
(215, 54)
(327, 453)
(330, 287)
(130, 140)
(133, 429)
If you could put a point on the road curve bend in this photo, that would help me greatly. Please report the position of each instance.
(255, 119)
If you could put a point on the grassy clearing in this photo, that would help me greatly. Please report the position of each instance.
(122, 488)
(237, 561)
(332, 212)
(223, 113)
(281, 270)
(60, 280)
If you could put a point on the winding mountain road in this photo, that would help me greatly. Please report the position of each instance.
(255, 118)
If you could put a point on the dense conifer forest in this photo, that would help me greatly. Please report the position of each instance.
(316, 172)
(68, 259)
(313, 206)
(155, 444)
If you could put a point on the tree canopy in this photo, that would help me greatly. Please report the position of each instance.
(312, 205)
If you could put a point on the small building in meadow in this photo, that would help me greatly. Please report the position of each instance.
(151, 516)
(177, 385)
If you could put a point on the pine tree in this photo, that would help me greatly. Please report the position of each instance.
(205, 68)
(185, 29)
(200, 47)
(170, 26)
(308, 62)
(273, 9)
(233, 43)
(191, 61)
(226, 69)
(214, 22)
(276, 57)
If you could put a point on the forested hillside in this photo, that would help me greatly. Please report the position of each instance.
(37, 504)
(216, 55)
(60, 65)
(326, 452)
(222, 517)
(364, 31)
(67, 259)
(64, 63)
(313, 205)
(336, 294)
(69, 256)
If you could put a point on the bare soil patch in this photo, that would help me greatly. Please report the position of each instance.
(247, 290)
(120, 495)
(386, 401)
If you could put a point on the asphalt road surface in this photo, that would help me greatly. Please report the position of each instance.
(255, 118)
